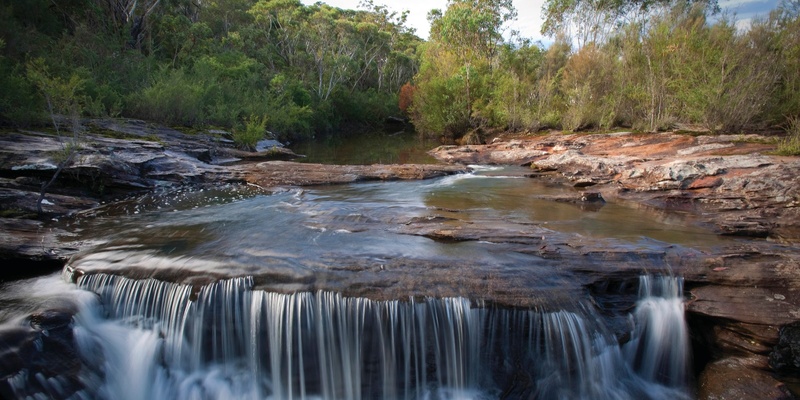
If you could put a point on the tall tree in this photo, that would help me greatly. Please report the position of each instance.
(464, 44)
(592, 21)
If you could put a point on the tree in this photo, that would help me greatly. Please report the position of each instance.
(406, 97)
(592, 21)
(62, 97)
(463, 51)
(472, 29)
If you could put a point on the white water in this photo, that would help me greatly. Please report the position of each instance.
(659, 347)
(153, 340)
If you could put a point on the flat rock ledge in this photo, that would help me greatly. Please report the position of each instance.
(744, 307)
(728, 179)
(120, 158)
(283, 173)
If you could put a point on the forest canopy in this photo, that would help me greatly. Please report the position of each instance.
(644, 65)
(303, 70)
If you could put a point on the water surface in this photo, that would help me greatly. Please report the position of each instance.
(366, 148)
(346, 292)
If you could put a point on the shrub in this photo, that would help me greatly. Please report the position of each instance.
(174, 98)
(406, 97)
(20, 104)
(790, 146)
(253, 130)
(587, 84)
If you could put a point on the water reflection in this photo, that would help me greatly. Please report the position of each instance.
(310, 225)
(376, 147)
(506, 194)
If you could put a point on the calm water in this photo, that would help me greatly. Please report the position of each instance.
(297, 231)
(377, 147)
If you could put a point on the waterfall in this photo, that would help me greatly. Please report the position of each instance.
(151, 339)
(659, 346)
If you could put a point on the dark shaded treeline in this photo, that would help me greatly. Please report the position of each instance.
(296, 69)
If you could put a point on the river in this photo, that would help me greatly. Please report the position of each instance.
(358, 292)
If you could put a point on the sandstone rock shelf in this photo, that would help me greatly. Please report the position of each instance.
(743, 298)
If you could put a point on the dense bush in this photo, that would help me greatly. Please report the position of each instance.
(654, 71)
(175, 97)
(315, 69)
(309, 69)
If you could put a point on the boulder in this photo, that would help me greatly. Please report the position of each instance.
(785, 357)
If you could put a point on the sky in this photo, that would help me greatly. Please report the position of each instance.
(529, 21)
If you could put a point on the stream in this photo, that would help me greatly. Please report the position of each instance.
(359, 291)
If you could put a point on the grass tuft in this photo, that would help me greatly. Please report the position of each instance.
(790, 146)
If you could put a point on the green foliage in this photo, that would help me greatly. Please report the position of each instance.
(289, 107)
(780, 32)
(176, 97)
(588, 85)
(309, 68)
(253, 130)
(455, 81)
(313, 69)
(62, 95)
(594, 21)
(722, 81)
(440, 103)
(790, 146)
(20, 104)
(662, 64)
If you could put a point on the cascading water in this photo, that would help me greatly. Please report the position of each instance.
(659, 347)
(147, 339)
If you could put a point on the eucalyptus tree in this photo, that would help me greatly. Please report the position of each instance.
(593, 21)
(457, 63)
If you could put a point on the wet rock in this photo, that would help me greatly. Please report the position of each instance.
(51, 319)
(498, 152)
(266, 153)
(25, 239)
(742, 227)
(762, 306)
(589, 201)
(785, 357)
(42, 361)
(582, 183)
(201, 154)
(277, 173)
(431, 219)
(20, 202)
(592, 197)
(739, 378)
(268, 144)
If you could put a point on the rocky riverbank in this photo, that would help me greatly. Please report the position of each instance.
(745, 300)
(119, 159)
(744, 308)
